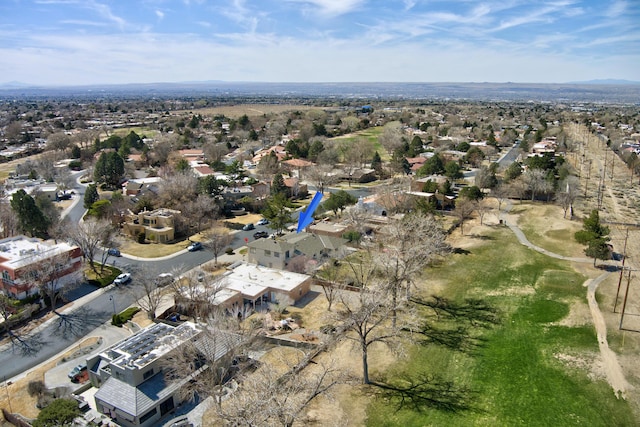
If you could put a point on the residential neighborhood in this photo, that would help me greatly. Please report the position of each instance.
(158, 256)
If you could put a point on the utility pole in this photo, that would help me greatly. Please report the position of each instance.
(624, 258)
(600, 190)
(624, 302)
(6, 389)
(586, 184)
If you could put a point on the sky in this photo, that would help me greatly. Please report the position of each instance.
(77, 42)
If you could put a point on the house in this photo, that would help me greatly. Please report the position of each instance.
(296, 166)
(20, 256)
(249, 284)
(361, 175)
(157, 225)
(278, 252)
(136, 186)
(132, 389)
(326, 228)
(192, 154)
(295, 188)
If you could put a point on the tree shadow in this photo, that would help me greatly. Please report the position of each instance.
(461, 251)
(425, 391)
(80, 322)
(456, 324)
(28, 345)
(481, 237)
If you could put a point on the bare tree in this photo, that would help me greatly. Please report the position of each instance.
(200, 212)
(267, 397)
(93, 237)
(481, 208)
(217, 239)
(177, 190)
(321, 176)
(463, 211)
(214, 152)
(535, 180)
(366, 319)
(500, 193)
(9, 220)
(195, 292)
(391, 137)
(151, 295)
(331, 278)
(409, 246)
(568, 191)
(58, 141)
(53, 275)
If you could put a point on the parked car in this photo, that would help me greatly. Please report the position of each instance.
(114, 252)
(76, 370)
(248, 227)
(260, 235)
(122, 279)
(262, 221)
(164, 279)
(195, 246)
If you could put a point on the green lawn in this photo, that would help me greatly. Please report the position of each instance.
(512, 377)
(372, 135)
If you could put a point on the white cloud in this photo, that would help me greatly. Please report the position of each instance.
(83, 22)
(616, 9)
(331, 7)
(160, 14)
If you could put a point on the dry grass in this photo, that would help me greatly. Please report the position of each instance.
(21, 402)
(251, 110)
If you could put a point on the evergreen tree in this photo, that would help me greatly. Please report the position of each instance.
(595, 236)
(376, 163)
(91, 196)
(32, 220)
(109, 169)
(432, 166)
(277, 185)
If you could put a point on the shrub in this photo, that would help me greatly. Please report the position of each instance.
(229, 251)
(60, 412)
(122, 318)
(141, 238)
(75, 165)
(35, 388)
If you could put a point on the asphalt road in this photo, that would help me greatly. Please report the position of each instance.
(511, 156)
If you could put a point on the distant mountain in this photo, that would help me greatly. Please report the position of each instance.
(606, 82)
(594, 91)
(14, 85)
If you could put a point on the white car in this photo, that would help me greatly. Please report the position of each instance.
(263, 221)
(122, 279)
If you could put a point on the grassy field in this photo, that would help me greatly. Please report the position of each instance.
(545, 227)
(516, 375)
(372, 135)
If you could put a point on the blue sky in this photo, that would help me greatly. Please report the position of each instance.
(68, 42)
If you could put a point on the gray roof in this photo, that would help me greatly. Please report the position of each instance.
(306, 243)
(136, 401)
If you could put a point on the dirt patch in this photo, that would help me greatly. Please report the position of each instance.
(589, 362)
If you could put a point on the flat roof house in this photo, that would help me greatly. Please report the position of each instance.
(248, 284)
(157, 225)
(20, 255)
(132, 388)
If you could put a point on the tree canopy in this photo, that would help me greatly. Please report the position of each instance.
(109, 169)
(32, 220)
